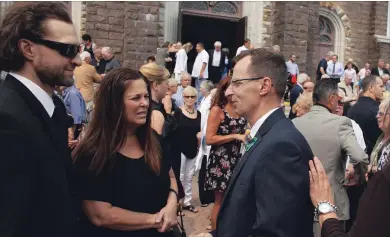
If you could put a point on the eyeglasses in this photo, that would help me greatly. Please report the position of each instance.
(236, 82)
(380, 114)
(66, 50)
(189, 97)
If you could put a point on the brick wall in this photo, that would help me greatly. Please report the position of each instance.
(132, 29)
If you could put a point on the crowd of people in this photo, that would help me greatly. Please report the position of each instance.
(90, 148)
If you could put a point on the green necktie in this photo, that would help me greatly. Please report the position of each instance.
(250, 143)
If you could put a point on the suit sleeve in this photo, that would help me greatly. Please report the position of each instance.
(281, 190)
(349, 143)
(16, 177)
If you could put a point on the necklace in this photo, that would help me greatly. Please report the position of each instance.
(190, 112)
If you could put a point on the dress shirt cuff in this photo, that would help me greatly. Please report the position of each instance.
(332, 227)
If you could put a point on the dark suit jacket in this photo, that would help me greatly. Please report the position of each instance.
(35, 199)
(364, 113)
(375, 71)
(268, 193)
(221, 62)
(294, 94)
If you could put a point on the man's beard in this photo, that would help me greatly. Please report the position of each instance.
(53, 76)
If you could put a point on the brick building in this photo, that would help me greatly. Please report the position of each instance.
(357, 30)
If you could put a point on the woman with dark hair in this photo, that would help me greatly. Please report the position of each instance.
(126, 184)
(225, 133)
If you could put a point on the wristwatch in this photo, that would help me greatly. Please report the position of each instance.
(324, 207)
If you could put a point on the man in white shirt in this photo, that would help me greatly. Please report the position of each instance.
(364, 71)
(246, 46)
(40, 49)
(200, 70)
(216, 62)
(272, 161)
(335, 69)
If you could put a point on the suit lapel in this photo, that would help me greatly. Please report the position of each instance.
(265, 127)
(36, 108)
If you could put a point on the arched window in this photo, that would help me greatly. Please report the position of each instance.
(200, 6)
(326, 37)
(225, 8)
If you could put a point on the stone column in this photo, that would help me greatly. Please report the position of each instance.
(255, 29)
(171, 19)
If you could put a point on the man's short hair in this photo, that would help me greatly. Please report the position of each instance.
(323, 89)
(207, 85)
(265, 63)
(151, 58)
(385, 75)
(337, 57)
(84, 55)
(107, 49)
(217, 44)
(368, 81)
(201, 44)
(172, 82)
(86, 37)
(247, 41)
(302, 78)
(24, 20)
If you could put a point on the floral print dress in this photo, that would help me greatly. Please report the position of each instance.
(223, 158)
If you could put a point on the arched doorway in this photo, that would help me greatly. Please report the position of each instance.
(326, 38)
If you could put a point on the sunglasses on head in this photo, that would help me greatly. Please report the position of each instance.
(66, 50)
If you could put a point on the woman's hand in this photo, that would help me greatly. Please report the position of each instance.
(168, 217)
(319, 185)
(167, 101)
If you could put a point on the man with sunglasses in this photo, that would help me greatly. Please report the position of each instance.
(276, 157)
(331, 138)
(39, 48)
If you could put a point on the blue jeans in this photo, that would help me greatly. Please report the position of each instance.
(199, 81)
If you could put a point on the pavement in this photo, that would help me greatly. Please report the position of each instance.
(196, 223)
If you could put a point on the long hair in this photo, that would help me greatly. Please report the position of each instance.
(106, 133)
(219, 98)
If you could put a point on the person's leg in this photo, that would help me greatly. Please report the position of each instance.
(189, 174)
(183, 171)
(217, 205)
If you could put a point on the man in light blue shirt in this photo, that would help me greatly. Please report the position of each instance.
(75, 106)
(184, 81)
(335, 69)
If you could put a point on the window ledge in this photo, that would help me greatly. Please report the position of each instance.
(382, 39)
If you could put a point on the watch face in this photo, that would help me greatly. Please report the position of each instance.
(324, 208)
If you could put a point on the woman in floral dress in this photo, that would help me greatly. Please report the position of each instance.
(225, 133)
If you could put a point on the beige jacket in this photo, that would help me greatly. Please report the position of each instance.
(85, 76)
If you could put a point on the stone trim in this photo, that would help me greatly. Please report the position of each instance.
(382, 39)
(342, 25)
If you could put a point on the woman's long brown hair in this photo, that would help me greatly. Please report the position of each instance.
(219, 98)
(106, 132)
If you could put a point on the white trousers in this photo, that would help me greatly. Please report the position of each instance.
(187, 170)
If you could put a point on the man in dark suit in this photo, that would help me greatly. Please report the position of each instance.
(296, 91)
(216, 63)
(40, 49)
(380, 70)
(268, 193)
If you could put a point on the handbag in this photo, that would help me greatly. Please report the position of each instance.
(179, 231)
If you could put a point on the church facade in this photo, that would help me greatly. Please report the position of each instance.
(357, 30)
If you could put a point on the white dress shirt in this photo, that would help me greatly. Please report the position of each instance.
(38, 92)
(351, 73)
(216, 59)
(240, 49)
(362, 73)
(203, 57)
(260, 122)
(292, 68)
(181, 61)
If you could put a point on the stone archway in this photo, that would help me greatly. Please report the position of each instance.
(342, 28)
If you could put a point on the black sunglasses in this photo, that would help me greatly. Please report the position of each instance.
(66, 50)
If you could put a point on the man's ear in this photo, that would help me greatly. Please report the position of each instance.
(27, 48)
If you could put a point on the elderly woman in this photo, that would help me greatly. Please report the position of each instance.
(126, 183)
(303, 104)
(380, 156)
(186, 142)
(225, 133)
(208, 91)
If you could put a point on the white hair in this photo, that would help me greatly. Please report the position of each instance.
(185, 75)
(107, 49)
(217, 44)
(386, 75)
(302, 78)
(84, 55)
(207, 85)
(172, 82)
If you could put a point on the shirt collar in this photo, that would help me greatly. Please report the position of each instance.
(260, 122)
(38, 92)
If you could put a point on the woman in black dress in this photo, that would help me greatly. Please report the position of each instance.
(126, 185)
